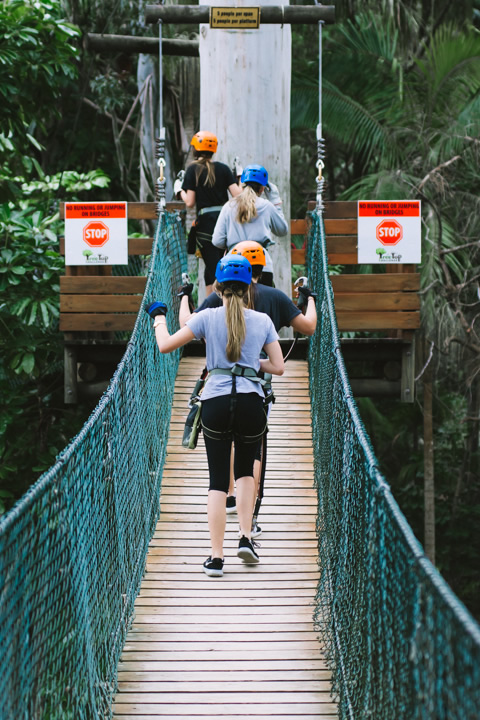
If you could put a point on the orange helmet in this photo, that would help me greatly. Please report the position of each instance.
(251, 250)
(204, 141)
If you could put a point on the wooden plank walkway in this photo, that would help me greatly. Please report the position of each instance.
(240, 646)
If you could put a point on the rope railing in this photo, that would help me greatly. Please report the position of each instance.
(400, 644)
(73, 549)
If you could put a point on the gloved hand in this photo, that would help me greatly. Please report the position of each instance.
(156, 308)
(237, 168)
(272, 194)
(268, 242)
(186, 289)
(177, 185)
(304, 293)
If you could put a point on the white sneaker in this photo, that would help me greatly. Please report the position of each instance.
(256, 531)
(231, 504)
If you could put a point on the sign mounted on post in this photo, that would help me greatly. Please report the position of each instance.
(389, 231)
(96, 233)
(238, 18)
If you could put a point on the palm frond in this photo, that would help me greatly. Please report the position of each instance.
(449, 73)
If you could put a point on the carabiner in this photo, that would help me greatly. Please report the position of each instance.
(161, 164)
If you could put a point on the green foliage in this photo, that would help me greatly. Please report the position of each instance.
(396, 431)
(401, 117)
(37, 62)
(31, 347)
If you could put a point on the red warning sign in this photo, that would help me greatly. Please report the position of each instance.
(95, 233)
(389, 232)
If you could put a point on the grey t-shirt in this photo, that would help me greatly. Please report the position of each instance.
(210, 324)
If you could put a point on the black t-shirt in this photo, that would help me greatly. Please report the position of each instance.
(271, 301)
(208, 196)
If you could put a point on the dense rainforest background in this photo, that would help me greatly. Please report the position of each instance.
(401, 104)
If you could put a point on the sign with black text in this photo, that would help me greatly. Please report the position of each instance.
(96, 233)
(235, 18)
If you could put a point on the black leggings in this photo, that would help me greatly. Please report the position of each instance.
(249, 421)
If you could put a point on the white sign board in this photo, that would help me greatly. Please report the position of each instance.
(389, 231)
(96, 233)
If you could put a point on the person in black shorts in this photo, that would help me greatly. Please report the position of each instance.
(206, 184)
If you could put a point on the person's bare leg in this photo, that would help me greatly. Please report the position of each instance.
(231, 486)
(245, 502)
(257, 470)
(217, 520)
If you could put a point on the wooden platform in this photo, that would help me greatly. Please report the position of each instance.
(241, 646)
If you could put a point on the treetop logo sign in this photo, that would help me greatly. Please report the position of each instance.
(94, 225)
(389, 231)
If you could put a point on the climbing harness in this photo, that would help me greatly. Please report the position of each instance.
(193, 423)
(234, 372)
(212, 209)
(264, 379)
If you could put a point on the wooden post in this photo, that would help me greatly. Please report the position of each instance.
(148, 45)
(70, 387)
(407, 394)
(245, 100)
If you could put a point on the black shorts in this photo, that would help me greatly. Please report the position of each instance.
(249, 423)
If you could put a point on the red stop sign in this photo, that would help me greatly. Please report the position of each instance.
(95, 233)
(389, 232)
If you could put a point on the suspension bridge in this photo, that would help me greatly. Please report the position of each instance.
(105, 611)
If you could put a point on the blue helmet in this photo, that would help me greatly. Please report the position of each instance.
(234, 267)
(255, 173)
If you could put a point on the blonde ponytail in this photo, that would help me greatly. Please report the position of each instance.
(201, 163)
(246, 204)
(236, 295)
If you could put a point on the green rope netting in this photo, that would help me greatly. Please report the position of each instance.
(72, 550)
(401, 646)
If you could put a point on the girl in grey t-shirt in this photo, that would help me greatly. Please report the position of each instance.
(232, 405)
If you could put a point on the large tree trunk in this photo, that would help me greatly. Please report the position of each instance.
(245, 100)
